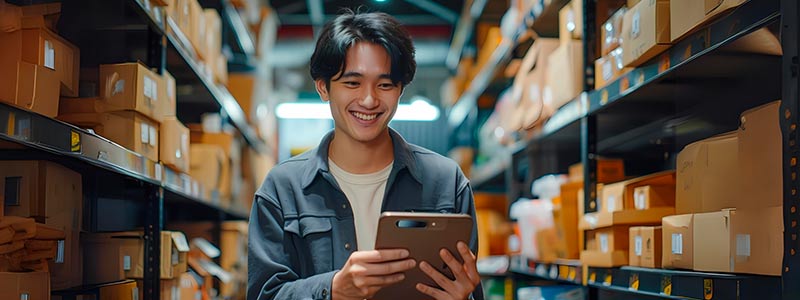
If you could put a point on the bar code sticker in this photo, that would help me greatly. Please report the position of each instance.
(603, 242)
(145, 133)
(636, 24)
(677, 243)
(150, 88)
(126, 263)
(637, 242)
(153, 136)
(743, 245)
(49, 55)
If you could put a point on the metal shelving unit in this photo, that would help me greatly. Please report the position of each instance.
(563, 271)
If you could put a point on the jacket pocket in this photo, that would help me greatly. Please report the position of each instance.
(315, 236)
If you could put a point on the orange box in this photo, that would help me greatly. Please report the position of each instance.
(645, 246)
(30, 286)
(211, 167)
(170, 106)
(608, 68)
(130, 129)
(645, 31)
(31, 87)
(649, 196)
(688, 15)
(174, 149)
(241, 86)
(121, 255)
(608, 171)
(132, 86)
(611, 32)
(677, 237)
(42, 47)
(708, 175)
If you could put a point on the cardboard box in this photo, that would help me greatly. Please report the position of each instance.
(608, 171)
(31, 87)
(197, 30)
(708, 175)
(645, 30)
(757, 241)
(30, 286)
(611, 32)
(188, 286)
(565, 216)
(645, 246)
(564, 77)
(677, 236)
(593, 258)
(224, 140)
(688, 15)
(233, 245)
(51, 194)
(132, 86)
(242, 86)
(210, 166)
(760, 157)
(608, 239)
(649, 196)
(602, 219)
(625, 190)
(171, 106)
(608, 68)
(221, 70)
(170, 289)
(174, 151)
(530, 79)
(122, 256)
(44, 48)
(712, 237)
(126, 290)
(130, 129)
(213, 34)
(570, 21)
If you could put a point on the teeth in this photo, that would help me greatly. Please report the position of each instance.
(365, 117)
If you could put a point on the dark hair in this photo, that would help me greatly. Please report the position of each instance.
(349, 28)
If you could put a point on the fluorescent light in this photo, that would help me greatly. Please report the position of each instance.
(418, 110)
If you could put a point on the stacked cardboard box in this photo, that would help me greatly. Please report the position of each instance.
(50, 194)
(38, 64)
(570, 22)
(233, 244)
(688, 15)
(645, 31)
(203, 29)
(611, 64)
(720, 227)
(120, 255)
(27, 249)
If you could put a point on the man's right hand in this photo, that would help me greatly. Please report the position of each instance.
(366, 272)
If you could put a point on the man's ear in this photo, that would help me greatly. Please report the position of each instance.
(322, 89)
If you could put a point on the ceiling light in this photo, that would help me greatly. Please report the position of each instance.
(418, 110)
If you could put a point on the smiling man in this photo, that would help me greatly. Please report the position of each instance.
(314, 220)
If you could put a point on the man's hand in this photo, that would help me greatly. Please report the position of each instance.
(366, 272)
(466, 276)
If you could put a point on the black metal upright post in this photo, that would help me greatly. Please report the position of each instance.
(589, 42)
(156, 50)
(589, 123)
(791, 151)
(152, 230)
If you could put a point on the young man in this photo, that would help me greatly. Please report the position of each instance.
(314, 219)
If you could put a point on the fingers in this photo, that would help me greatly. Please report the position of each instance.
(470, 266)
(378, 281)
(376, 256)
(433, 292)
(443, 282)
(456, 267)
(391, 267)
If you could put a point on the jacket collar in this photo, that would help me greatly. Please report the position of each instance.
(318, 158)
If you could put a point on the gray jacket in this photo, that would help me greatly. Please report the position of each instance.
(301, 224)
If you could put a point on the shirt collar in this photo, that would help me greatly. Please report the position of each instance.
(318, 158)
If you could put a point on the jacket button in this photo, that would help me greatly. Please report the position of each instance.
(324, 293)
(344, 206)
(347, 246)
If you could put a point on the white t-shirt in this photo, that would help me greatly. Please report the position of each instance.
(365, 194)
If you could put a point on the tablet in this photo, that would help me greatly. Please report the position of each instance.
(424, 235)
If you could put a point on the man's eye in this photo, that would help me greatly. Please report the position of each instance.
(386, 86)
(351, 83)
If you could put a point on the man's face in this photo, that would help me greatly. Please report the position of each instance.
(364, 99)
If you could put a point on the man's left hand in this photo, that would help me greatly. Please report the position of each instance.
(466, 276)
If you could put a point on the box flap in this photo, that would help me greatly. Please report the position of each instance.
(179, 240)
(711, 5)
(206, 247)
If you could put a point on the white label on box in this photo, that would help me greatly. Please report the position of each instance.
(135, 294)
(603, 238)
(49, 55)
(636, 25)
(175, 256)
(176, 293)
(119, 87)
(150, 88)
(59, 252)
(637, 242)
(677, 243)
(159, 172)
(743, 245)
(24, 296)
(145, 133)
(126, 263)
(153, 136)
(639, 198)
(571, 21)
(608, 70)
(611, 205)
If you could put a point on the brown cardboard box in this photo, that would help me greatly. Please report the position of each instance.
(593, 258)
(174, 151)
(708, 171)
(617, 204)
(530, 80)
(30, 286)
(687, 15)
(757, 241)
(645, 30)
(650, 196)
(602, 219)
(210, 166)
(608, 68)
(712, 241)
(171, 106)
(620, 196)
(233, 245)
(122, 256)
(131, 86)
(52, 194)
(130, 129)
(760, 157)
(213, 35)
(611, 198)
(611, 32)
(31, 87)
(645, 246)
(608, 170)
(221, 70)
(197, 30)
(189, 288)
(570, 21)
(241, 86)
(564, 76)
(126, 290)
(631, 3)
(565, 216)
(678, 236)
(42, 47)
(225, 140)
(608, 239)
